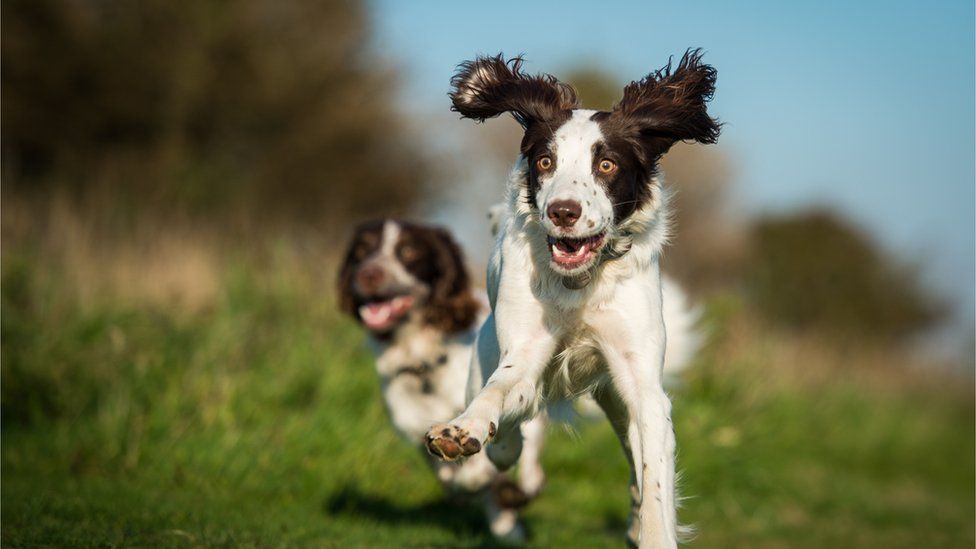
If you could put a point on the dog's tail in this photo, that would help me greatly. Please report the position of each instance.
(681, 325)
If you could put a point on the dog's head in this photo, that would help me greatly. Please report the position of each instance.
(395, 271)
(589, 171)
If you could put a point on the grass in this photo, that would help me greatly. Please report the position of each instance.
(256, 420)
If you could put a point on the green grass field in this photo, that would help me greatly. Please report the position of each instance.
(257, 421)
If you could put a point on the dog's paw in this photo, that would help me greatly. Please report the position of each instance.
(450, 442)
(508, 494)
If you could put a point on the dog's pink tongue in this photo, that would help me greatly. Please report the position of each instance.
(377, 316)
(571, 253)
(383, 314)
(569, 246)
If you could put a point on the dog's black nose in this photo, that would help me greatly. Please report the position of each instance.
(370, 278)
(564, 213)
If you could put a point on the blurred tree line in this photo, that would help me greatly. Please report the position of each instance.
(277, 112)
(808, 271)
(266, 110)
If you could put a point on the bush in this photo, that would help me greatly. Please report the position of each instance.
(814, 271)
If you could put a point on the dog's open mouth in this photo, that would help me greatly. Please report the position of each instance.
(380, 316)
(573, 253)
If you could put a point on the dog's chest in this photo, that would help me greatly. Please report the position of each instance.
(423, 380)
(577, 365)
(422, 375)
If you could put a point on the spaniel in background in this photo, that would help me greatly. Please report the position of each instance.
(574, 281)
(407, 285)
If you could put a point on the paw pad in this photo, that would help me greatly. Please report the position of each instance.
(451, 442)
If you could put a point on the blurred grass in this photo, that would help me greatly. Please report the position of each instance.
(253, 417)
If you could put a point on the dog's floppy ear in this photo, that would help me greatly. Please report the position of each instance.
(451, 306)
(344, 282)
(670, 105)
(347, 300)
(347, 272)
(488, 86)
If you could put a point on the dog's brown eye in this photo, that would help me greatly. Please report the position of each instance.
(607, 166)
(544, 163)
(408, 253)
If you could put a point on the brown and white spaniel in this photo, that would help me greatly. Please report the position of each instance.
(407, 285)
(577, 298)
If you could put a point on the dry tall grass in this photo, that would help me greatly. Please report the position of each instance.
(84, 257)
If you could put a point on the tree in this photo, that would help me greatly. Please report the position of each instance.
(815, 271)
(274, 109)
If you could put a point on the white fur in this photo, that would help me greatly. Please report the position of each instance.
(680, 317)
(411, 410)
(573, 178)
(544, 341)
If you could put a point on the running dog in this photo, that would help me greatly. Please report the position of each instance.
(573, 281)
(407, 285)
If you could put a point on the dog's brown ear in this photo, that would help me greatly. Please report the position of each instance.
(670, 105)
(365, 237)
(346, 295)
(488, 86)
(451, 306)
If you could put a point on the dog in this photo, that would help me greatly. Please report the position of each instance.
(407, 285)
(574, 281)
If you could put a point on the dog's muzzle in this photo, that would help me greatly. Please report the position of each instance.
(613, 250)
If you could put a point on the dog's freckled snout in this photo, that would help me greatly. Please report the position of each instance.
(564, 213)
(370, 278)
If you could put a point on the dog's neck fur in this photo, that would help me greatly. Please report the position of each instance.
(413, 343)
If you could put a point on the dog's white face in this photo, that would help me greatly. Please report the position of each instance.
(576, 208)
(589, 171)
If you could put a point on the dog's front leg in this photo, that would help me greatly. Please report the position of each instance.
(633, 342)
(510, 393)
(619, 416)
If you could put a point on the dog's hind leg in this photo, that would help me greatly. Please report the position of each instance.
(503, 521)
(478, 479)
(531, 475)
(501, 498)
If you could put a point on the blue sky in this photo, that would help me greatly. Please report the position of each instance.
(867, 107)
